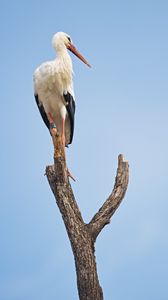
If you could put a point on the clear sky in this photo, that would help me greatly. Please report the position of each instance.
(122, 107)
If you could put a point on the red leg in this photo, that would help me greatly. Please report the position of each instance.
(53, 131)
(50, 118)
(63, 132)
(63, 142)
(52, 124)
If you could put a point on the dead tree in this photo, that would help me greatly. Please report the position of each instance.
(83, 236)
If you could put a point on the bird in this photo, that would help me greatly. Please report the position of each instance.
(54, 92)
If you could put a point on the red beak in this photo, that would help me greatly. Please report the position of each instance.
(76, 52)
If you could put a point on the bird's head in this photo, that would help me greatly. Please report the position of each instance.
(62, 40)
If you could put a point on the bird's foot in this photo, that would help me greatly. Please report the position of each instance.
(69, 174)
(53, 128)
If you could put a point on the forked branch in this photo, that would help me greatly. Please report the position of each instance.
(105, 213)
(82, 236)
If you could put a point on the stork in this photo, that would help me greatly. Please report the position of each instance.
(53, 89)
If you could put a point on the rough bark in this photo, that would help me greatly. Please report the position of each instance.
(83, 236)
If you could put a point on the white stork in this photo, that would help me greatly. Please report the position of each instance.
(53, 89)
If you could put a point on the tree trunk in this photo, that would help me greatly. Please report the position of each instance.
(83, 236)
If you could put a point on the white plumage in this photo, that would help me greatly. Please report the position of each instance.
(54, 78)
(53, 81)
(53, 88)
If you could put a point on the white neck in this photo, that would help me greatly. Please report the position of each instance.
(64, 68)
(64, 60)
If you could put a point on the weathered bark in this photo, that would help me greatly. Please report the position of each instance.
(83, 236)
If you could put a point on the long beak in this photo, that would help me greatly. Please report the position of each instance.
(76, 52)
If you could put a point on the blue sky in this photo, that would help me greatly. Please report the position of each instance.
(122, 105)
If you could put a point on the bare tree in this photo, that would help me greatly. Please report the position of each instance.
(83, 236)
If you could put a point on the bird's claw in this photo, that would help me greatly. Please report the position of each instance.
(69, 175)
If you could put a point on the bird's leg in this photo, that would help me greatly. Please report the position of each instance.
(63, 143)
(52, 124)
(53, 131)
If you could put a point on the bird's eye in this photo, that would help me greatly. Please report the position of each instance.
(69, 39)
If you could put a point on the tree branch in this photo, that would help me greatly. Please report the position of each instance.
(60, 185)
(82, 236)
(103, 216)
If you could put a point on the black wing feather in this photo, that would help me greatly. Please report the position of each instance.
(70, 106)
(42, 112)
